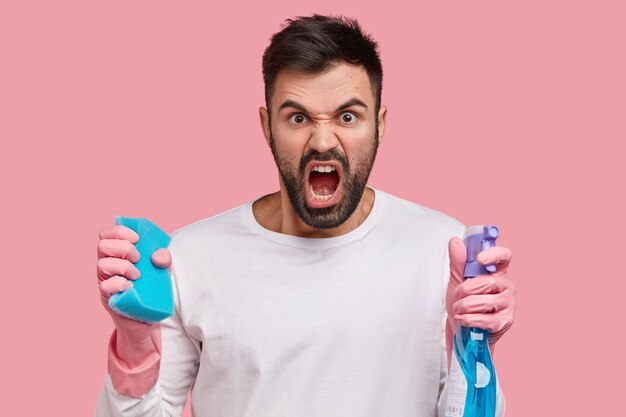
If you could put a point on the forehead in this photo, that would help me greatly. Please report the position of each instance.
(323, 91)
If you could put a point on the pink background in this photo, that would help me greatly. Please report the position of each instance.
(511, 113)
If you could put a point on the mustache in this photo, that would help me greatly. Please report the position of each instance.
(332, 154)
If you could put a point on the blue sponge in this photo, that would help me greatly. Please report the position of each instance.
(150, 299)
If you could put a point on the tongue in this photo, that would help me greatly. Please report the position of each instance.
(323, 183)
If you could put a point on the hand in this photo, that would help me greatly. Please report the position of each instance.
(134, 347)
(485, 301)
(116, 271)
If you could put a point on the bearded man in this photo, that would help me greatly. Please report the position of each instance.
(327, 298)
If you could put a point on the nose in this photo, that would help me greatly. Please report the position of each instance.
(323, 138)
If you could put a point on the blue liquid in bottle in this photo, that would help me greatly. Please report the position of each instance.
(472, 373)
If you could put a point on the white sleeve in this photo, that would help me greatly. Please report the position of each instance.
(179, 365)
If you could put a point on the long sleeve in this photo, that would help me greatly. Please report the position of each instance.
(179, 365)
(269, 324)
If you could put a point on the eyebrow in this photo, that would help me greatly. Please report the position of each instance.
(294, 104)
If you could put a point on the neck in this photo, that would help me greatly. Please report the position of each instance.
(275, 212)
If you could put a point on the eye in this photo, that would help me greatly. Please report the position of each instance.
(347, 117)
(297, 118)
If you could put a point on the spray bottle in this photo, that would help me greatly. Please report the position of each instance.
(472, 380)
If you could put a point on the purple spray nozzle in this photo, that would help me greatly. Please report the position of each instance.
(479, 238)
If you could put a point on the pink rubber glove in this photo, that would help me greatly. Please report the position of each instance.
(134, 352)
(485, 301)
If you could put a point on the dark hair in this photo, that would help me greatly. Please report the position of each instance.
(318, 43)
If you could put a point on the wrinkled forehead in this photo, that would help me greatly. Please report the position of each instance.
(322, 92)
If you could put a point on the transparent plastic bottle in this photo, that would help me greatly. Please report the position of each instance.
(472, 380)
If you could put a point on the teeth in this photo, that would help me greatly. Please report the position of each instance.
(319, 197)
(323, 168)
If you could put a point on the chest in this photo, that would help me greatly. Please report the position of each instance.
(271, 304)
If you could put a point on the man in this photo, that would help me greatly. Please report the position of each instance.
(326, 298)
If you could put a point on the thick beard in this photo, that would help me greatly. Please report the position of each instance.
(354, 182)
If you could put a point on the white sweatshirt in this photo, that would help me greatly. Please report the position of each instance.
(273, 325)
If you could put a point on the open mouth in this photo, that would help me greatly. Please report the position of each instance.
(323, 183)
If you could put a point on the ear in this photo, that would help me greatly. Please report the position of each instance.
(382, 117)
(264, 118)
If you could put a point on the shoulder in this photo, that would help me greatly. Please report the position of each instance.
(417, 218)
(209, 231)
